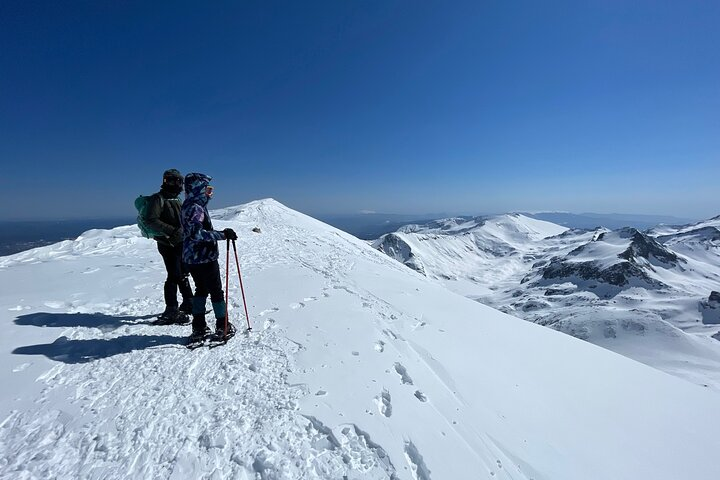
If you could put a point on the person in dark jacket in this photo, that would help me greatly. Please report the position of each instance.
(200, 253)
(163, 215)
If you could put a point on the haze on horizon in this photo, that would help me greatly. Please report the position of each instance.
(343, 107)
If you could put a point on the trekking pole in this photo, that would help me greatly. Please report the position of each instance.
(227, 282)
(242, 290)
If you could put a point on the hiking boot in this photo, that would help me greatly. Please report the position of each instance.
(169, 312)
(172, 317)
(198, 335)
(220, 330)
(178, 319)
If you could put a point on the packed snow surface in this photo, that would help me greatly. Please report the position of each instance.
(356, 368)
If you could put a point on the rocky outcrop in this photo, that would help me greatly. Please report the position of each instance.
(710, 309)
(644, 246)
(634, 263)
(618, 274)
(395, 247)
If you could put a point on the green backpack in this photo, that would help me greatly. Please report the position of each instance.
(141, 204)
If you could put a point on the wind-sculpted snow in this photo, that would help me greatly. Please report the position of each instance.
(357, 367)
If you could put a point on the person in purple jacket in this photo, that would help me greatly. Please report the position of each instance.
(200, 253)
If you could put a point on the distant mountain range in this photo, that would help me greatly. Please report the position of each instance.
(644, 293)
(369, 226)
(608, 220)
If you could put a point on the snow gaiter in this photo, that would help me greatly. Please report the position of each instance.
(198, 322)
(219, 311)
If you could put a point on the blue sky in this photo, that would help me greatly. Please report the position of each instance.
(341, 106)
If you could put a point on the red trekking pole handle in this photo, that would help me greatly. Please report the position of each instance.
(242, 290)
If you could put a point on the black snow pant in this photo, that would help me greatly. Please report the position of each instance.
(177, 276)
(207, 281)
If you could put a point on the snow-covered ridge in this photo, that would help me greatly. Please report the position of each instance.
(619, 258)
(642, 294)
(357, 368)
(460, 249)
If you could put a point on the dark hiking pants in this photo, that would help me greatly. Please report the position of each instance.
(177, 276)
(207, 282)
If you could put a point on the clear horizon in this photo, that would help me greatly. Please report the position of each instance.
(428, 215)
(336, 107)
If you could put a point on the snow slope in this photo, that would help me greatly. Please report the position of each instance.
(357, 368)
(468, 255)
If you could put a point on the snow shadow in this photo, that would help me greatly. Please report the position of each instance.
(83, 351)
(88, 320)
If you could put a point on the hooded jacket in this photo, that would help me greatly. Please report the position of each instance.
(199, 238)
(163, 215)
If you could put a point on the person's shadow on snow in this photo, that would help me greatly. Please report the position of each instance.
(89, 320)
(82, 351)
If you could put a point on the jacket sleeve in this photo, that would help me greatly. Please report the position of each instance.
(194, 230)
(153, 217)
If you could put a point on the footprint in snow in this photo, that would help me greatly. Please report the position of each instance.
(269, 310)
(402, 371)
(309, 299)
(392, 335)
(420, 396)
(419, 325)
(296, 306)
(383, 403)
(379, 346)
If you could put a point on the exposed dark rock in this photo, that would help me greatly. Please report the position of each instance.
(447, 224)
(710, 309)
(617, 274)
(395, 247)
(559, 291)
(642, 245)
(709, 235)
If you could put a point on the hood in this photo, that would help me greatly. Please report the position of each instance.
(195, 184)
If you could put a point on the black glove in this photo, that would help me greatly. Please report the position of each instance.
(176, 237)
(230, 234)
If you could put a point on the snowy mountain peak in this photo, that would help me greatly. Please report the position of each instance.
(501, 225)
(645, 247)
(266, 204)
(616, 258)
